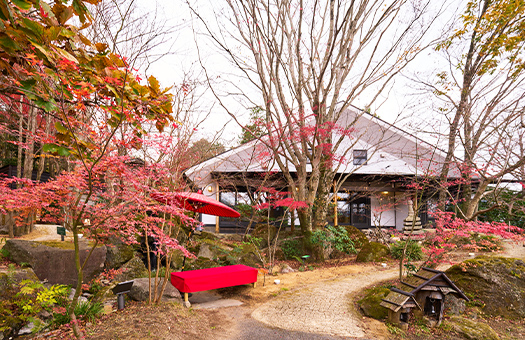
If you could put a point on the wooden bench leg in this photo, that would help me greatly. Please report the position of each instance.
(186, 303)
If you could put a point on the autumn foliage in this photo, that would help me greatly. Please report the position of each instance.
(449, 229)
(92, 112)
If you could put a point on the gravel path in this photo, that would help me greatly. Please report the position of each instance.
(322, 307)
(511, 249)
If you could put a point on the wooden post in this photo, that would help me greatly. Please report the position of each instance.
(335, 206)
(292, 212)
(217, 229)
(186, 297)
(292, 220)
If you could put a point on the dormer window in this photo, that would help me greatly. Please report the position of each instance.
(360, 157)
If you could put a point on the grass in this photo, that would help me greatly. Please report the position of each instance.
(69, 245)
(393, 329)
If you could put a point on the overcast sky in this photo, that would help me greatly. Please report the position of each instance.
(399, 102)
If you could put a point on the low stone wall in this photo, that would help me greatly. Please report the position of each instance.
(56, 265)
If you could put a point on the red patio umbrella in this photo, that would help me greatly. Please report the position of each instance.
(197, 202)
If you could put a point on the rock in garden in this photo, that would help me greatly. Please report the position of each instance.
(200, 263)
(373, 252)
(234, 237)
(370, 303)
(263, 233)
(26, 329)
(454, 305)
(140, 290)
(497, 281)
(45, 315)
(118, 254)
(471, 329)
(205, 251)
(177, 259)
(55, 261)
(249, 256)
(204, 235)
(18, 275)
(357, 236)
(287, 269)
(212, 249)
(132, 269)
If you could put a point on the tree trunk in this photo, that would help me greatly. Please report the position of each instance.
(20, 141)
(42, 160)
(30, 141)
(80, 278)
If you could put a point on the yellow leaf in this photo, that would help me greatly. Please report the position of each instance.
(154, 84)
(101, 47)
(66, 55)
(61, 128)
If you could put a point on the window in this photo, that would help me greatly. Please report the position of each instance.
(360, 157)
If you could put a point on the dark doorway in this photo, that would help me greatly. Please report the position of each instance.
(432, 307)
(360, 210)
(354, 209)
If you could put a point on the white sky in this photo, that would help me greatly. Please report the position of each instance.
(399, 101)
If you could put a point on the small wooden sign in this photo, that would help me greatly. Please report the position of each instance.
(123, 287)
(61, 231)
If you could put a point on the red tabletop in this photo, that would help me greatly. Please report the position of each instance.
(212, 278)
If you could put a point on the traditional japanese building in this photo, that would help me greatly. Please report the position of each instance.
(380, 159)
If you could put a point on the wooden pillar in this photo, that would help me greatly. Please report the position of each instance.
(292, 220)
(335, 206)
(217, 197)
(292, 211)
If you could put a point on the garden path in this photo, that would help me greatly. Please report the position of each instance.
(324, 307)
(327, 307)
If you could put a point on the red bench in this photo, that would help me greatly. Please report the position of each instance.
(213, 278)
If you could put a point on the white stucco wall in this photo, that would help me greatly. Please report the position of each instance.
(208, 219)
(402, 213)
(386, 212)
(382, 210)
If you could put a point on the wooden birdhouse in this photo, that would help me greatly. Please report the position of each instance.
(423, 293)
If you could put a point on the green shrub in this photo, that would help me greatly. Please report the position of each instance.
(291, 248)
(4, 254)
(255, 240)
(357, 236)
(337, 237)
(413, 251)
(84, 310)
(20, 303)
(89, 311)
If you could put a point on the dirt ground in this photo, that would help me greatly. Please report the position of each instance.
(172, 321)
